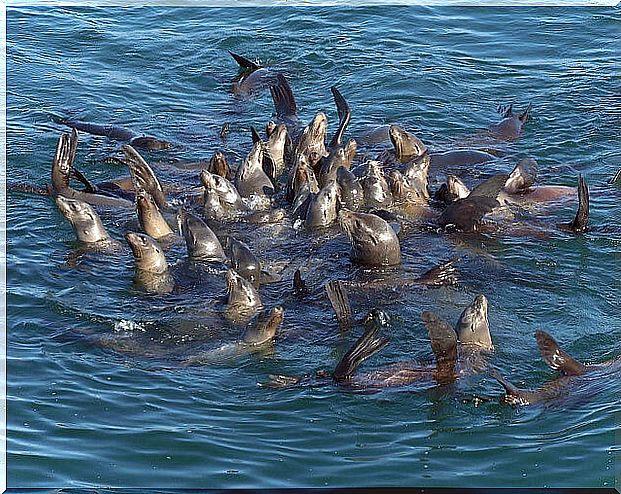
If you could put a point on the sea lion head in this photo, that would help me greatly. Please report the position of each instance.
(473, 325)
(218, 165)
(150, 143)
(83, 218)
(350, 191)
(201, 242)
(322, 210)
(377, 193)
(373, 241)
(522, 177)
(147, 253)
(375, 318)
(149, 215)
(241, 294)
(406, 145)
(265, 327)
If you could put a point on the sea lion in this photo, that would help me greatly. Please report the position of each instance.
(340, 156)
(250, 179)
(252, 77)
(511, 125)
(452, 190)
(63, 170)
(275, 149)
(151, 267)
(413, 185)
(119, 134)
(351, 194)
(150, 217)
(466, 214)
(201, 242)
(322, 209)
(344, 114)
(85, 221)
(572, 372)
(373, 241)
(301, 177)
(377, 194)
(222, 200)
(243, 299)
(581, 220)
(243, 261)
(313, 137)
(460, 157)
(285, 105)
(406, 145)
(259, 333)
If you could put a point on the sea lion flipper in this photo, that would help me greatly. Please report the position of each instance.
(62, 164)
(579, 224)
(513, 395)
(244, 63)
(78, 175)
(442, 336)
(526, 113)
(366, 346)
(340, 303)
(490, 187)
(282, 95)
(556, 358)
(344, 114)
(443, 274)
(143, 176)
(299, 286)
(616, 178)
(255, 135)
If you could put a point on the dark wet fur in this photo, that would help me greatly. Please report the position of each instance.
(366, 346)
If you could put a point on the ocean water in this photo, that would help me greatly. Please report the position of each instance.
(97, 393)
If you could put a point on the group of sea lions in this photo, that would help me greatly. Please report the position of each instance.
(294, 173)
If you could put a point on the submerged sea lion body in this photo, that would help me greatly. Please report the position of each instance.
(460, 157)
(510, 127)
(119, 134)
(252, 78)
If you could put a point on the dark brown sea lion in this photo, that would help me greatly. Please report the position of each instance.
(119, 134)
(243, 299)
(201, 242)
(373, 241)
(323, 207)
(250, 179)
(222, 200)
(252, 78)
(243, 261)
(377, 194)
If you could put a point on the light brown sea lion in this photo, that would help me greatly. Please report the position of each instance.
(85, 222)
(150, 217)
(151, 267)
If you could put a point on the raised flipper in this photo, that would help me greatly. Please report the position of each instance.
(556, 358)
(143, 176)
(244, 63)
(340, 303)
(78, 175)
(579, 224)
(299, 286)
(616, 178)
(443, 340)
(344, 117)
(513, 395)
(282, 95)
(62, 163)
(255, 135)
(443, 274)
(526, 113)
(366, 346)
(505, 111)
(490, 187)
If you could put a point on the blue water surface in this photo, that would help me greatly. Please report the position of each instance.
(96, 393)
